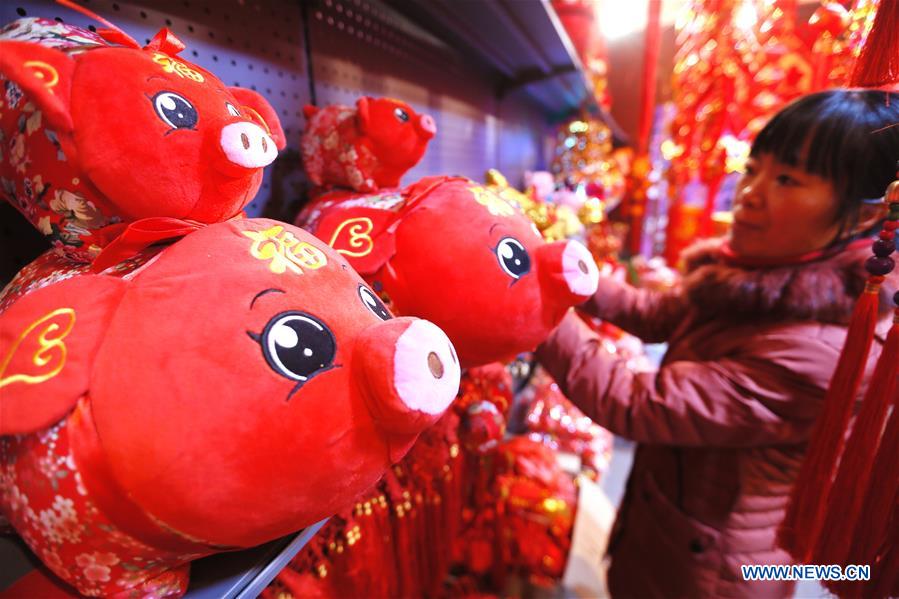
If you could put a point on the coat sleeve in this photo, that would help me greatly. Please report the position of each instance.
(644, 313)
(768, 392)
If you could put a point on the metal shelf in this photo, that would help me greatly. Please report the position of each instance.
(251, 570)
(522, 42)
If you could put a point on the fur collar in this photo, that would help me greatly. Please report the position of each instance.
(823, 290)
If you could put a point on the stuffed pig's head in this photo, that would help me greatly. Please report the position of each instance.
(242, 385)
(467, 260)
(122, 133)
(395, 134)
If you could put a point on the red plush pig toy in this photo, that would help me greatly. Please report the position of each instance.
(95, 134)
(365, 148)
(453, 251)
(241, 384)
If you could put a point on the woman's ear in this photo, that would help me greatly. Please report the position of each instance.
(869, 215)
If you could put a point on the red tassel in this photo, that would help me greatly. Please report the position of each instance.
(854, 474)
(878, 62)
(805, 511)
(880, 500)
(301, 584)
(885, 574)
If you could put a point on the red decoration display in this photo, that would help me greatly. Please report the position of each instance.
(737, 63)
(578, 17)
(100, 135)
(461, 252)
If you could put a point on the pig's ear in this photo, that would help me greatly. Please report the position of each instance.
(45, 75)
(363, 114)
(309, 111)
(361, 234)
(261, 112)
(166, 42)
(48, 340)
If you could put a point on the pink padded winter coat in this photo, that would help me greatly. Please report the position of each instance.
(722, 426)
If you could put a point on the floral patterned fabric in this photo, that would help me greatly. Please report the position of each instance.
(50, 267)
(36, 176)
(44, 498)
(329, 155)
(70, 39)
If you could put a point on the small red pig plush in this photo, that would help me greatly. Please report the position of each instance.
(95, 134)
(454, 252)
(241, 384)
(365, 148)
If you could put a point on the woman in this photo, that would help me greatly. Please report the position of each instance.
(754, 331)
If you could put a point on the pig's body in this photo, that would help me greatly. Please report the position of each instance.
(366, 147)
(231, 388)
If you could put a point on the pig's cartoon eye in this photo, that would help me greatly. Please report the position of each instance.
(298, 346)
(232, 110)
(374, 304)
(401, 115)
(175, 111)
(513, 258)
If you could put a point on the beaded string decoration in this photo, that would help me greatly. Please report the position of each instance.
(863, 494)
(844, 507)
(805, 513)
(846, 493)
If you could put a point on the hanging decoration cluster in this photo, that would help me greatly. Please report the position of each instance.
(737, 63)
(584, 155)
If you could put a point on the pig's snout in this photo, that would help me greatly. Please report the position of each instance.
(568, 271)
(412, 378)
(248, 145)
(426, 368)
(579, 269)
(428, 126)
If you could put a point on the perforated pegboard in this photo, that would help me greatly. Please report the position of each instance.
(357, 47)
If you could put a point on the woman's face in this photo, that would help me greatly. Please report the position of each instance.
(780, 211)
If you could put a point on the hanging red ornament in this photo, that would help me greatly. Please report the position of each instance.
(737, 63)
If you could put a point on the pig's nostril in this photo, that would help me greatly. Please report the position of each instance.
(264, 145)
(435, 365)
(245, 141)
(582, 266)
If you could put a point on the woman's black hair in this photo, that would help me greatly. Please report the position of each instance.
(849, 137)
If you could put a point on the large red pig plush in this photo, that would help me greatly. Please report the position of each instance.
(453, 251)
(240, 384)
(95, 134)
(366, 147)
